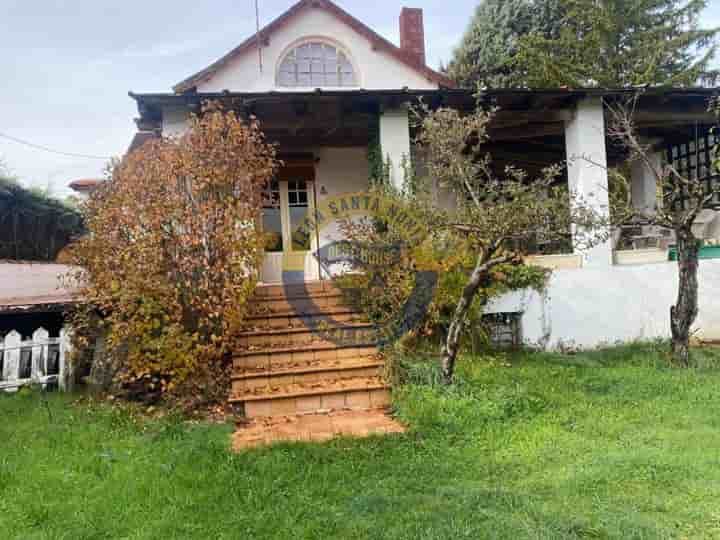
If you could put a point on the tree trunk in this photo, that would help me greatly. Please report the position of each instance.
(685, 310)
(452, 342)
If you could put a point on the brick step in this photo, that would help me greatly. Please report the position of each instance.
(290, 319)
(316, 363)
(288, 357)
(350, 332)
(310, 388)
(358, 394)
(295, 289)
(284, 382)
(308, 367)
(300, 306)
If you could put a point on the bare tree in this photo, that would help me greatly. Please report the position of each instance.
(680, 199)
(497, 213)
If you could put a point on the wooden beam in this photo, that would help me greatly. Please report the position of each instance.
(527, 131)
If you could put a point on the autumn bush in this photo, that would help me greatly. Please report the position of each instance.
(381, 291)
(172, 252)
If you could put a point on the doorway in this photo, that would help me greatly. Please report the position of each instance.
(288, 200)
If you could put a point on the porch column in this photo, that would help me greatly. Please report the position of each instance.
(587, 169)
(644, 183)
(395, 142)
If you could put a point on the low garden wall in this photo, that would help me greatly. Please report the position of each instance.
(588, 307)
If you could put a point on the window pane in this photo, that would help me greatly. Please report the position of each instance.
(298, 214)
(287, 79)
(315, 64)
(303, 52)
(272, 227)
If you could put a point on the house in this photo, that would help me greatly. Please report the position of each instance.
(84, 186)
(327, 88)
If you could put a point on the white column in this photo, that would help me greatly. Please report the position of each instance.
(587, 169)
(395, 142)
(644, 183)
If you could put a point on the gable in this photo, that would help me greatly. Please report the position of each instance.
(378, 63)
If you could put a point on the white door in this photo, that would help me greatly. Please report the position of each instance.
(287, 204)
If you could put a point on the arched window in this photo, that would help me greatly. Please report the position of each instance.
(316, 64)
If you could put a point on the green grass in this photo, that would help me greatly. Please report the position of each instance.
(608, 444)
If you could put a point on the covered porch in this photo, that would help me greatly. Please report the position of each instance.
(332, 143)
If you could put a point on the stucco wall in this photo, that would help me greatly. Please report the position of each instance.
(375, 69)
(339, 170)
(588, 307)
(174, 121)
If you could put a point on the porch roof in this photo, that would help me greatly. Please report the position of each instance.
(35, 286)
(528, 128)
(513, 98)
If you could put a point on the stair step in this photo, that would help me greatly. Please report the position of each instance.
(281, 384)
(301, 356)
(312, 388)
(296, 289)
(290, 319)
(364, 393)
(304, 305)
(318, 367)
(351, 332)
(303, 340)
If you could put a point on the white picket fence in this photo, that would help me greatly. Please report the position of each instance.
(39, 360)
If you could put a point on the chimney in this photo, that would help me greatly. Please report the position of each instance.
(412, 33)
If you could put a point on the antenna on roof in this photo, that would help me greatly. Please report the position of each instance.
(257, 33)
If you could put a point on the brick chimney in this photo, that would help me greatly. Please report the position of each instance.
(412, 33)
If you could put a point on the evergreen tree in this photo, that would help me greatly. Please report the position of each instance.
(486, 52)
(621, 43)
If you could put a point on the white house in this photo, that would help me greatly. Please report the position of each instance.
(326, 88)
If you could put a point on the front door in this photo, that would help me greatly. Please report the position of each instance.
(289, 200)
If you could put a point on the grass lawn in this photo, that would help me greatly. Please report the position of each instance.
(608, 444)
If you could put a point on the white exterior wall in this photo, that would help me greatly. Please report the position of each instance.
(395, 143)
(587, 168)
(375, 70)
(174, 121)
(339, 171)
(589, 307)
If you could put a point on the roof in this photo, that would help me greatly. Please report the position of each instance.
(25, 286)
(84, 184)
(507, 99)
(378, 42)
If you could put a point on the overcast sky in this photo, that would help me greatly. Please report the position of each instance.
(66, 66)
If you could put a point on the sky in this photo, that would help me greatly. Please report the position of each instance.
(67, 66)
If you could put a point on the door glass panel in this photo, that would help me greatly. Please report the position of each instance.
(298, 203)
(272, 220)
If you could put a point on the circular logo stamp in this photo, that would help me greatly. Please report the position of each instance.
(336, 257)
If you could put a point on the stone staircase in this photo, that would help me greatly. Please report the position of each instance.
(304, 351)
